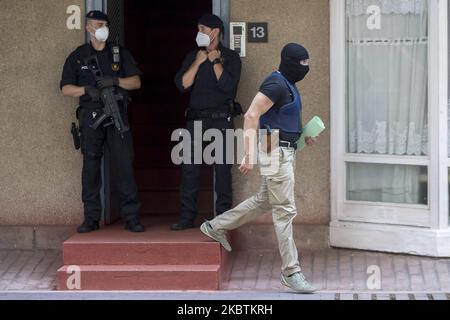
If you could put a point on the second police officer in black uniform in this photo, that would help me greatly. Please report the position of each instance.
(211, 74)
(121, 72)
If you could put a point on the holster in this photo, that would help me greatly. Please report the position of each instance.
(76, 131)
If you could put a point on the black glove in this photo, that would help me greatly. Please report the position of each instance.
(237, 110)
(107, 82)
(93, 93)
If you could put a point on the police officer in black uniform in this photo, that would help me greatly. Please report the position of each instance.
(211, 74)
(121, 72)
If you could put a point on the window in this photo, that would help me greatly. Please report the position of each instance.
(387, 98)
(390, 158)
(387, 183)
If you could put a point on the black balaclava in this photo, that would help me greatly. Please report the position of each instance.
(212, 21)
(290, 65)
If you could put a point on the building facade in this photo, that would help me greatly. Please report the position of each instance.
(378, 179)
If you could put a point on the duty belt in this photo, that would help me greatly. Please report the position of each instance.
(199, 115)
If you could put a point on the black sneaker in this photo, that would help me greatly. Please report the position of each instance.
(88, 226)
(134, 225)
(179, 226)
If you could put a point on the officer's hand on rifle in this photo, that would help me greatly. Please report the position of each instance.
(107, 82)
(93, 93)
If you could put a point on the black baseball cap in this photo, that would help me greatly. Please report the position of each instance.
(211, 21)
(97, 15)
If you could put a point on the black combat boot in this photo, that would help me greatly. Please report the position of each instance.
(134, 225)
(88, 226)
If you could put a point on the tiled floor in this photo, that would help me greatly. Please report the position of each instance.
(329, 270)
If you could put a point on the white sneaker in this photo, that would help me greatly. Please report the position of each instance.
(221, 238)
(298, 283)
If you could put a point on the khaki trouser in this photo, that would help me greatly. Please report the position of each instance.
(278, 191)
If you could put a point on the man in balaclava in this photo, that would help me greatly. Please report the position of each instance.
(211, 75)
(276, 109)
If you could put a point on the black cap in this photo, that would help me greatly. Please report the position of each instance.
(97, 15)
(211, 21)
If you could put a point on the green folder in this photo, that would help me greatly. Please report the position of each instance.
(313, 129)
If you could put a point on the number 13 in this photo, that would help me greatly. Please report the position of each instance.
(258, 32)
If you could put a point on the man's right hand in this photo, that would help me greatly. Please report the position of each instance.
(93, 93)
(189, 76)
(202, 55)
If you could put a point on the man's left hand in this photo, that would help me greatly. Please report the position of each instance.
(107, 82)
(311, 141)
(213, 55)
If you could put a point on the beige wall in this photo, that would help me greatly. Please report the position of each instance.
(305, 22)
(39, 170)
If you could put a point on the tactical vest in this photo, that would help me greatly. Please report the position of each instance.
(287, 118)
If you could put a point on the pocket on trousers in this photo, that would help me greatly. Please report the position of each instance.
(279, 191)
(269, 163)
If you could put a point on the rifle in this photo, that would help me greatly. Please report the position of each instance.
(109, 99)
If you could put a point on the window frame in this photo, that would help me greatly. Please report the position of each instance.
(435, 215)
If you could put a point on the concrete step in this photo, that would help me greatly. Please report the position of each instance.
(157, 259)
(120, 248)
(141, 277)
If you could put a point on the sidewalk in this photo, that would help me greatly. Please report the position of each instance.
(332, 271)
(28, 270)
(342, 270)
(184, 297)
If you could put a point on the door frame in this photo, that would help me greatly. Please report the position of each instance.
(381, 226)
(110, 213)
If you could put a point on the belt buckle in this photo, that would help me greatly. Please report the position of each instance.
(289, 144)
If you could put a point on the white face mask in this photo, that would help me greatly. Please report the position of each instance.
(203, 40)
(102, 34)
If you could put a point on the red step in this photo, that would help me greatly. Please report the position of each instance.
(157, 246)
(158, 259)
(144, 278)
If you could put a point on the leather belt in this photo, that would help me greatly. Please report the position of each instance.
(287, 144)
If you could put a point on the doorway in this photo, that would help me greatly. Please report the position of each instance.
(159, 34)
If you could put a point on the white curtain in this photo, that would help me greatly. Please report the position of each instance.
(387, 97)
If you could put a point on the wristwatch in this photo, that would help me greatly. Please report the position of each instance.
(217, 61)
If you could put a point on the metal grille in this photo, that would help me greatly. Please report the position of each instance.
(115, 10)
